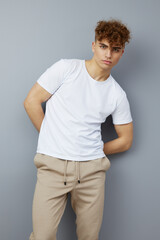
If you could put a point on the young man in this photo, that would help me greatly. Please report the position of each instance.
(71, 156)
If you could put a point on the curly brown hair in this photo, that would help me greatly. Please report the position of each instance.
(114, 31)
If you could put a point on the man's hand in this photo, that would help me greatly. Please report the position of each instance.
(124, 140)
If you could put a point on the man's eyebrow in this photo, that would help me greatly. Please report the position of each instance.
(113, 47)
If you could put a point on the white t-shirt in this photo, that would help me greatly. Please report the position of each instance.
(71, 128)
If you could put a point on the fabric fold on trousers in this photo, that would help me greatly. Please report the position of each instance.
(65, 171)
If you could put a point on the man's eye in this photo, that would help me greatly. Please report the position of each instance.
(102, 46)
(116, 50)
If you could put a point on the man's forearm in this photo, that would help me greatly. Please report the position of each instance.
(35, 113)
(115, 146)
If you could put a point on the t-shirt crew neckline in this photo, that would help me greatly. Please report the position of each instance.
(92, 79)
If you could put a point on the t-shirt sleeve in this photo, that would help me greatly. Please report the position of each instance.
(122, 112)
(53, 77)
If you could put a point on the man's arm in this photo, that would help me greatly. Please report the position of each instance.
(124, 140)
(32, 104)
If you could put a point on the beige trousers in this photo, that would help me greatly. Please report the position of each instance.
(85, 180)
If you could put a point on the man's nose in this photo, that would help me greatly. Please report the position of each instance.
(108, 53)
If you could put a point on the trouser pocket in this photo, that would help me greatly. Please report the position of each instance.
(38, 160)
(105, 163)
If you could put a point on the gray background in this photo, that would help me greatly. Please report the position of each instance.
(35, 34)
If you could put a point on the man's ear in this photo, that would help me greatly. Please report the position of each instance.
(122, 51)
(93, 46)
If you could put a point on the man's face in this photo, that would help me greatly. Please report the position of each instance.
(104, 52)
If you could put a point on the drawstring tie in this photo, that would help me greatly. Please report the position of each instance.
(65, 170)
(78, 171)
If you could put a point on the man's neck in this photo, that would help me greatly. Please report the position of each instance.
(95, 71)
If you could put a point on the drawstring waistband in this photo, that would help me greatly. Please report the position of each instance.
(65, 170)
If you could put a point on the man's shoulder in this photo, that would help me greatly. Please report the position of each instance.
(70, 65)
(119, 91)
(71, 60)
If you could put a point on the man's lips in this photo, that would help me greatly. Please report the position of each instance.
(106, 61)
